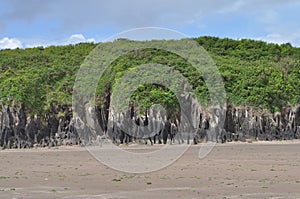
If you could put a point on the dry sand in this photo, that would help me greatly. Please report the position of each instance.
(231, 170)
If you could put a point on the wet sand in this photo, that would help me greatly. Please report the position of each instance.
(231, 170)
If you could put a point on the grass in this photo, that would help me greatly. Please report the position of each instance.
(117, 179)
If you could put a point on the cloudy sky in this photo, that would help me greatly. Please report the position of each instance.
(28, 23)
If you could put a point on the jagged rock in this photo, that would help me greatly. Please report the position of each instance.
(59, 126)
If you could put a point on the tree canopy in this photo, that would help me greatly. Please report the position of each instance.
(255, 73)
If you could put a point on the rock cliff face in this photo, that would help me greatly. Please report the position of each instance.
(52, 129)
(60, 127)
(246, 123)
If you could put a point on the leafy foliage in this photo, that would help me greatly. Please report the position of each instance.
(37, 77)
(255, 73)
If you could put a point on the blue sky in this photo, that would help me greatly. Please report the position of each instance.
(29, 23)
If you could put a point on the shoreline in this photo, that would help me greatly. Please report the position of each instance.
(156, 146)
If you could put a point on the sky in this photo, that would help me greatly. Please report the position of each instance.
(30, 23)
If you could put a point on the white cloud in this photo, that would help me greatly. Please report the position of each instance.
(78, 38)
(35, 43)
(281, 37)
(275, 38)
(73, 39)
(10, 43)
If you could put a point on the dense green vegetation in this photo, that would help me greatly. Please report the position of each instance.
(255, 73)
(37, 77)
(147, 95)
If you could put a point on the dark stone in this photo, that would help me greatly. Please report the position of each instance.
(58, 127)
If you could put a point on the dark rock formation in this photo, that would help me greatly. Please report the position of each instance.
(59, 127)
(17, 130)
(246, 123)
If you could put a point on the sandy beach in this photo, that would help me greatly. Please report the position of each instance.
(231, 170)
